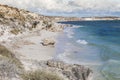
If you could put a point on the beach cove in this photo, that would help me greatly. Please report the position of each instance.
(85, 48)
(27, 46)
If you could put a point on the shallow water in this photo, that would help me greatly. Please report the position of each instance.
(92, 43)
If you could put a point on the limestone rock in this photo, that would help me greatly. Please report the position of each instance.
(70, 71)
(48, 42)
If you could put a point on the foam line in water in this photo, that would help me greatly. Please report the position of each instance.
(69, 32)
(75, 26)
(66, 57)
(69, 36)
(82, 42)
(63, 57)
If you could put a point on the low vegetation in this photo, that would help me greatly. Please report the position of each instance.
(8, 54)
(1, 15)
(40, 75)
(10, 66)
(15, 31)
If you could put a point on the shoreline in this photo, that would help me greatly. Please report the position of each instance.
(29, 47)
(31, 39)
(34, 56)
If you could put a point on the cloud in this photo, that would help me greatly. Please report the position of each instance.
(66, 5)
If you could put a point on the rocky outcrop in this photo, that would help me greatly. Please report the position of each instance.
(72, 72)
(69, 71)
(14, 22)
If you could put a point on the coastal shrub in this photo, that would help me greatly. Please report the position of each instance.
(30, 28)
(15, 31)
(49, 26)
(45, 22)
(40, 75)
(34, 24)
(1, 15)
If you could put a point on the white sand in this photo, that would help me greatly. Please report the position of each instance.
(28, 47)
(36, 51)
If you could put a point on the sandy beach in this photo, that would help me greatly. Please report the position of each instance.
(28, 47)
(31, 48)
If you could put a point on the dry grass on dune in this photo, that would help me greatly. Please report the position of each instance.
(40, 75)
(4, 52)
(10, 66)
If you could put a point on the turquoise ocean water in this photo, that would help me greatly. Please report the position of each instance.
(95, 44)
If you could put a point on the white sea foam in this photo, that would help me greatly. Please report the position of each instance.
(67, 56)
(63, 57)
(75, 26)
(69, 36)
(69, 32)
(82, 41)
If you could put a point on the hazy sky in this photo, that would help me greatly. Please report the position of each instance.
(69, 7)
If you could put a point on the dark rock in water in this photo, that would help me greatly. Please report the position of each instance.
(72, 72)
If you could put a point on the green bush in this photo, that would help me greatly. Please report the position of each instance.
(40, 75)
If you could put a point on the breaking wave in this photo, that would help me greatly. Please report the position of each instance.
(82, 41)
